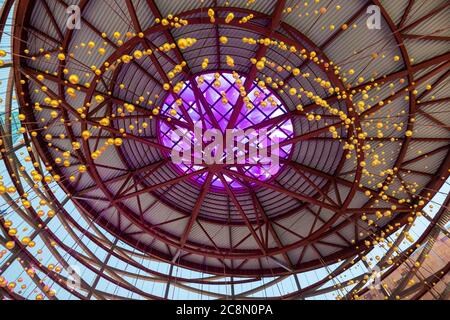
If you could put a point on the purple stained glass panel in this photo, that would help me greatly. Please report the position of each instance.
(221, 93)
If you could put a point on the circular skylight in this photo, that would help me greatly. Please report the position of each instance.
(258, 145)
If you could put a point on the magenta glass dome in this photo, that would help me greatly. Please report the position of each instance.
(220, 93)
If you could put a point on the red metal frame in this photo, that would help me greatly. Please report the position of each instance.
(182, 243)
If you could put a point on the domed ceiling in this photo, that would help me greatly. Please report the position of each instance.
(358, 110)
